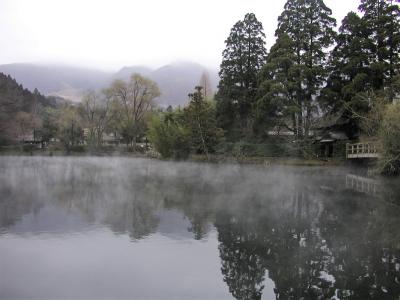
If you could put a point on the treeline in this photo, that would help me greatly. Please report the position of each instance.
(119, 113)
(311, 72)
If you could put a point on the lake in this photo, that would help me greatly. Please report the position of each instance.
(126, 228)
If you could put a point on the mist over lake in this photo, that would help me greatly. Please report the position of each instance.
(124, 228)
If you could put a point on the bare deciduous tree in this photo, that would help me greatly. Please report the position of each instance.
(205, 83)
(134, 99)
(97, 111)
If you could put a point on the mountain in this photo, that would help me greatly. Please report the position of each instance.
(175, 80)
(126, 72)
(64, 81)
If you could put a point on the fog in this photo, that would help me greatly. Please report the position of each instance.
(111, 34)
(117, 228)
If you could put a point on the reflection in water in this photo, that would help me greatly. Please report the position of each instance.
(312, 231)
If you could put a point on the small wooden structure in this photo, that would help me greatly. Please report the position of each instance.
(331, 133)
(362, 150)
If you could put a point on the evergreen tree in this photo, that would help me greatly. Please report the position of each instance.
(382, 18)
(276, 99)
(310, 26)
(243, 58)
(200, 121)
(350, 73)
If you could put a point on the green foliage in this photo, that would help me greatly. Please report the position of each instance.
(16, 101)
(364, 62)
(199, 118)
(350, 74)
(168, 136)
(296, 68)
(382, 20)
(49, 124)
(191, 130)
(270, 148)
(389, 134)
(310, 70)
(371, 121)
(77, 148)
(243, 58)
(276, 99)
(28, 148)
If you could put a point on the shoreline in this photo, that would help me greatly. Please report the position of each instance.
(214, 159)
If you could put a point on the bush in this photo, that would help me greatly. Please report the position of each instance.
(389, 134)
(28, 148)
(271, 149)
(169, 138)
(77, 148)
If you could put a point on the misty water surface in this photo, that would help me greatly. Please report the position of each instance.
(122, 228)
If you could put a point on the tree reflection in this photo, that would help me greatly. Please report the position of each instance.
(346, 248)
(316, 239)
(363, 237)
(241, 256)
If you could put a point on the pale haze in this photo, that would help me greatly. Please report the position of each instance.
(110, 34)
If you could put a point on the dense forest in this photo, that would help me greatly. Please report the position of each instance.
(314, 82)
(20, 109)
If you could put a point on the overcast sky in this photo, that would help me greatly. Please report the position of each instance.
(109, 34)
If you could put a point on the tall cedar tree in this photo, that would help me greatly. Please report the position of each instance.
(310, 26)
(350, 73)
(349, 63)
(382, 18)
(276, 98)
(243, 58)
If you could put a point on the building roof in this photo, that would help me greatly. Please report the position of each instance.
(331, 136)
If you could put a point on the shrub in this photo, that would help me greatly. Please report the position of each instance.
(169, 138)
(28, 148)
(271, 149)
(77, 148)
(389, 134)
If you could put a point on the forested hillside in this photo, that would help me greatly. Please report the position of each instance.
(19, 108)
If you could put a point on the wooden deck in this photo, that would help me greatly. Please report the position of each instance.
(362, 150)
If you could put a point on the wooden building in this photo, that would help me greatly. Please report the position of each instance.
(331, 133)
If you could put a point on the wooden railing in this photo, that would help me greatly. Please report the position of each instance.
(362, 184)
(362, 150)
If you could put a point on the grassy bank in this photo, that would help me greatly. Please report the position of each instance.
(240, 157)
(252, 160)
(73, 151)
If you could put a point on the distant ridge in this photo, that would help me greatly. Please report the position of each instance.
(176, 80)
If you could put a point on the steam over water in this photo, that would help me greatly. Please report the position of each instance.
(123, 228)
